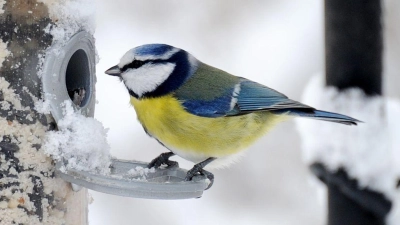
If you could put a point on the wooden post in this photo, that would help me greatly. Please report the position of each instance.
(29, 191)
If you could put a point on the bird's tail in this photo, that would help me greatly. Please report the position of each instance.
(321, 115)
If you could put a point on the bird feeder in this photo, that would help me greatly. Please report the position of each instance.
(70, 76)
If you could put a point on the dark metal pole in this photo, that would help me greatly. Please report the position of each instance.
(353, 43)
(347, 203)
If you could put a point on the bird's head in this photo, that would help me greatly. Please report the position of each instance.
(154, 70)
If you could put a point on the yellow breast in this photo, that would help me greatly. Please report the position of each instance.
(194, 137)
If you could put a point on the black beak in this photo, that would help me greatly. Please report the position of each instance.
(113, 71)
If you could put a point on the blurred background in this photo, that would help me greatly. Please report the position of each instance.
(277, 43)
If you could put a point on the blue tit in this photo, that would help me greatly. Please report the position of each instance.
(201, 113)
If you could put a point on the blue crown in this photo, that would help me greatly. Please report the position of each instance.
(152, 49)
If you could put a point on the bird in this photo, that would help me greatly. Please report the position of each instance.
(201, 113)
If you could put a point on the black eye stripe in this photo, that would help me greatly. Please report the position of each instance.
(133, 65)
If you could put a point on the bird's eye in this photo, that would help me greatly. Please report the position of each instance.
(137, 64)
(133, 65)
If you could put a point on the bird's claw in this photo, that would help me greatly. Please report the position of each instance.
(198, 170)
(163, 158)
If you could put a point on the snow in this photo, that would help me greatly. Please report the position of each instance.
(80, 142)
(44, 106)
(70, 16)
(368, 152)
(140, 172)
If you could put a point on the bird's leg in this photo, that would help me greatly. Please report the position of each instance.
(198, 169)
(163, 159)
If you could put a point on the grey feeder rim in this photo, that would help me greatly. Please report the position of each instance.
(78, 56)
(167, 183)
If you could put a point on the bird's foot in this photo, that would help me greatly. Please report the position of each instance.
(195, 171)
(198, 169)
(163, 158)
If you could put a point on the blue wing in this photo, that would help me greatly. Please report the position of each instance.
(216, 107)
(244, 97)
(254, 97)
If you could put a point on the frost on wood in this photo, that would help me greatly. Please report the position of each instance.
(27, 183)
(2, 2)
(369, 152)
(80, 142)
(29, 191)
(3, 50)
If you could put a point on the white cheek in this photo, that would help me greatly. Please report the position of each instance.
(127, 58)
(148, 77)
